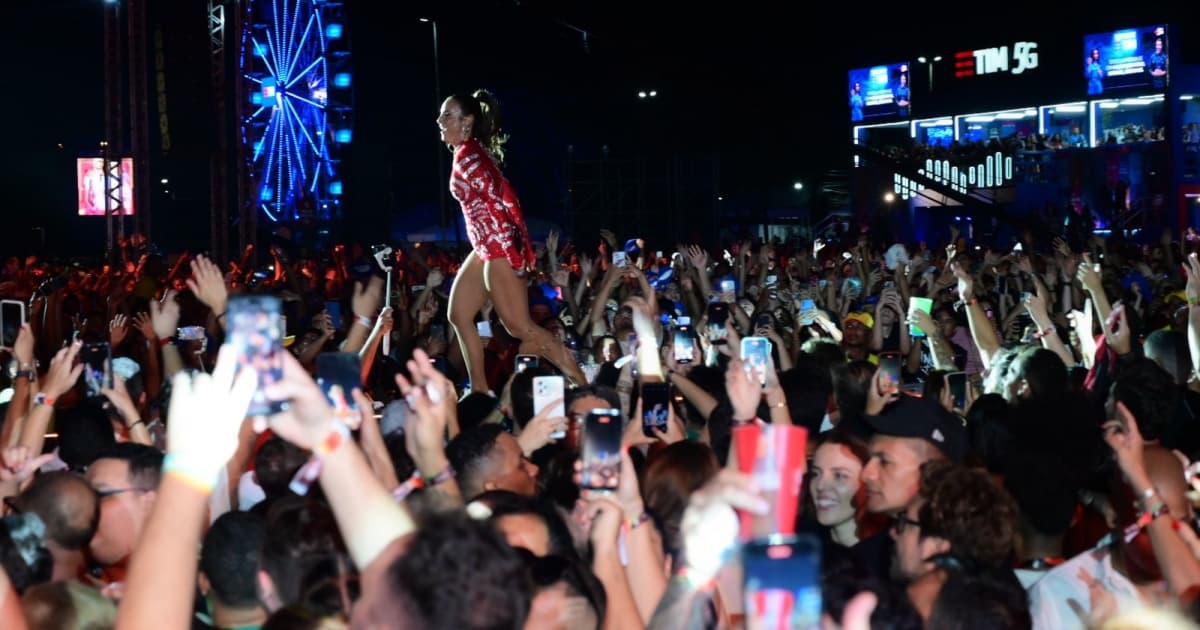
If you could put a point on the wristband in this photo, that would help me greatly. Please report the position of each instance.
(42, 399)
(446, 475)
(1044, 333)
(162, 343)
(742, 423)
(365, 322)
(190, 471)
(633, 523)
(29, 375)
(338, 434)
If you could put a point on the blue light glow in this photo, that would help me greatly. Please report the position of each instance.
(290, 79)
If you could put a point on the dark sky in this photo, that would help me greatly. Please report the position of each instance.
(760, 89)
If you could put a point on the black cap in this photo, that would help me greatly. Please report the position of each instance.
(912, 417)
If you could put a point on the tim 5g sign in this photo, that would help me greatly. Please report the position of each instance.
(969, 63)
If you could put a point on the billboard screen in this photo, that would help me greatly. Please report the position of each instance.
(880, 92)
(90, 186)
(1131, 58)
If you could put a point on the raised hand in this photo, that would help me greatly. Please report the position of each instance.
(881, 392)
(118, 329)
(208, 284)
(207, 412)
(145, 325)
(366, 300)
(552, 242)
(164, 316)
(63, 372)
(121, 401)
(966, 284)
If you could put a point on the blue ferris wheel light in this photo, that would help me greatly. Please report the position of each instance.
(291, 65)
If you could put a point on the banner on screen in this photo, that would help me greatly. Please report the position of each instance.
(880, 92)
(1131, 58)
(90, 186)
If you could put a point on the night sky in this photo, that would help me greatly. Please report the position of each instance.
(759, 91)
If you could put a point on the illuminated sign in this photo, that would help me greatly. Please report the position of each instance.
(969, 63)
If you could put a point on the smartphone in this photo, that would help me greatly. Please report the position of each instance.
(807, 312)
(684, 346)
(889, 363)
(772, 280)
(547, 390)
(782, 583)
(756, 351)
(97, 367)
(12, 317)
(656, 401)
(437, 331)
(718, 314)
(339, 374)
(191, 333)
(334, 310)
(728, 286)
(256, 331)
(924, 304)
(619, 259)
(683, 321)
(958, 389)
(525, 361)
(417, 288)
(601, 449)
(485, 329)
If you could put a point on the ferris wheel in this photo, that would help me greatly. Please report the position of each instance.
(297, 106)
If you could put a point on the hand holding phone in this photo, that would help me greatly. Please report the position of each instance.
(756, 352)
(601, 450)
(889, 364)
(548, 390)
(957, 382)
(256, 331)
(338, 375)
(684, 346)
(718, 314)
(656, 405)
(97, 367)
(12, 317)
(782, 583)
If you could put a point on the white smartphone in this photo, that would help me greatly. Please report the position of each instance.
(485, 329)
(12, 317)
(549, 390)
(756, 351)
(619, 259)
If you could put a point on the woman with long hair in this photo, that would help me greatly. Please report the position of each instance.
(836, 495)
(501, 253)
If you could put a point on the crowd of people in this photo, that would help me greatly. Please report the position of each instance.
(1053, 491)
(603, 433)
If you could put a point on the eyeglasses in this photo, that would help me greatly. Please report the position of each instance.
(903, 522)
(112, 492)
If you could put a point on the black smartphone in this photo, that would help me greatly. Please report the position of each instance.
(437, 331)
(339, 374)
(97, 367)
(958, 389)
(656, 401)
(256, 335)
(601, 449)
(12, 317)
(718, 314)
(684, 346)
(889, 363)
(783, 583)
(334, 310)
(526, 361)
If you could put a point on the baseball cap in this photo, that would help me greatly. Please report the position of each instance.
(861, 317)
(912, 417)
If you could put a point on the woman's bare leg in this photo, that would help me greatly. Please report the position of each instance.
(467, 297)
(511, 298)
